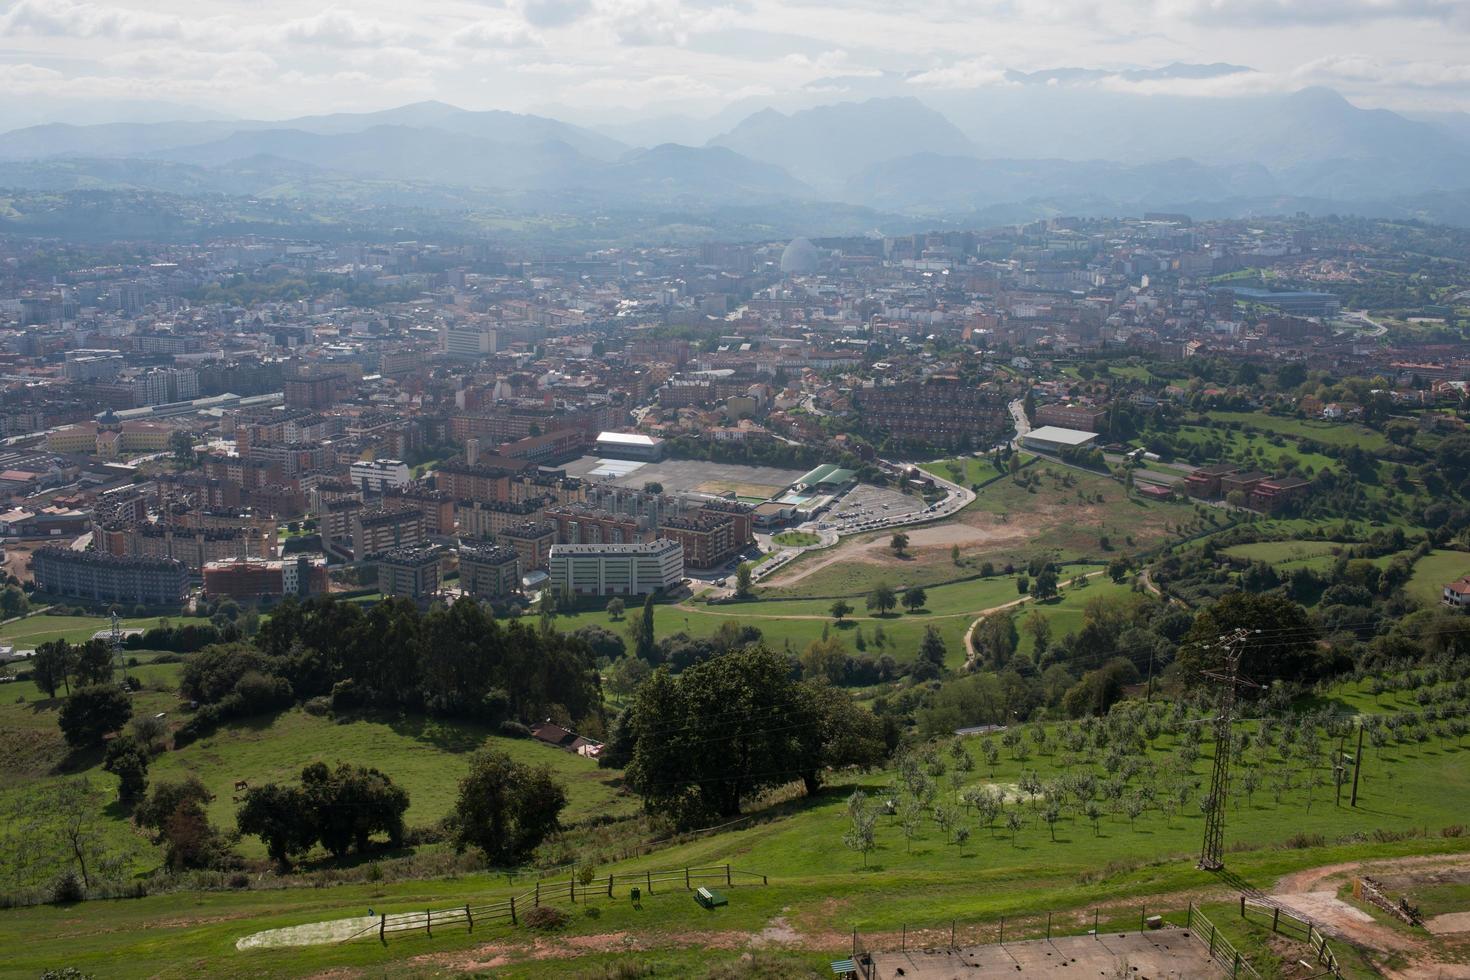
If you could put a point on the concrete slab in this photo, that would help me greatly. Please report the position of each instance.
(1165, 954)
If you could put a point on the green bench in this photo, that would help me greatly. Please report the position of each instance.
(709, 898)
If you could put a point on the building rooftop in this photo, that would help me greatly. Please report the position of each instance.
(647, 548)
(1060, 436)
(628, 439)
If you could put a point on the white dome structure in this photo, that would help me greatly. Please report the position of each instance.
(800, 257)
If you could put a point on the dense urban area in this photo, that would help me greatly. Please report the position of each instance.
(836, 605)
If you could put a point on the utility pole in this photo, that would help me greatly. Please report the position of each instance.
(1357, 765)
(115, 639)
(1213, 848)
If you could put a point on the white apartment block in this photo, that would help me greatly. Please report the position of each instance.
(376, 475)
(616, 569)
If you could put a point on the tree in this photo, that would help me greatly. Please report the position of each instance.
(914, 598)
(615, 608)
(640, 631)
(181, 444)
(281, 816)
(13, 602)
(824, 660)
(1023, 585)
(954, 553)
(861, 835)
(1281, 641)
(882, 598)
(930, 661)
(1051, 814)
(91, 713)
(506, 809)
(351, 803)
(910, 821)
(127, 759)
(52, 665)
(995, 638)
(840, 609)
(899, 543)
(737, 695)
(94, 662)
(1045, 586)
(743, 587)
(1118, 569)
(1039, 627)
(153, 812)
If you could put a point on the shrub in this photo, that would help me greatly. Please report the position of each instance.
(545, 918)
(1455, 830)
(67, 889)
(318, 706)
(514, 729)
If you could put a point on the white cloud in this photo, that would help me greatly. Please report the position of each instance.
(339, 28)
(961, 75)
(495, 34)
(1279, 12)
(65, 18)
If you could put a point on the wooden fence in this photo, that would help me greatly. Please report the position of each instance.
(511, 909)
(1287, 923)
(1222, 950)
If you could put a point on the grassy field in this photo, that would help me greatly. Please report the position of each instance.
(1342, 434)
(964, 470)
(1434, 571)
(1057, 512)
(797, 539)
(425, 756)
(819, 889)
(1250, 447)
(35, 630)
(797, 622)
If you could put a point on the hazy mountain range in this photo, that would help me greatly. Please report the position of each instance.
(1038, 146)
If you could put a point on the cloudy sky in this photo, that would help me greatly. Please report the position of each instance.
(278, 58)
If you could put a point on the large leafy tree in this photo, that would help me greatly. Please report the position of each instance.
(1280, 643)
(351, 803)
(52, 666)
(281, 816)
(730, 727)
(506, 809)
(127, 759)
(91, 713)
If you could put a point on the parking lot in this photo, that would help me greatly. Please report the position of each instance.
(866, 507)
(750, 483)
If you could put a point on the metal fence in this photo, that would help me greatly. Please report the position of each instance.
(571, 889)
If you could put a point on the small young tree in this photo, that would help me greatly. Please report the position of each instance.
(914, 598)
(840, 609)
(615, 608)
(899, 543)
(862, 835)
(954, 553)
(743, 587)
(1013, 824)
(1094, 813)
(910, 820)
(1133, 806)
(961, 835)
(1051, 813)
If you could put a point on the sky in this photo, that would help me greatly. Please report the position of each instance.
(618, 59)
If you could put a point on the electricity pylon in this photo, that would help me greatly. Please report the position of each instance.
(1211, 855)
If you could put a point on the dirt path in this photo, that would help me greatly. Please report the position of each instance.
(1312, 893)
(970, 633)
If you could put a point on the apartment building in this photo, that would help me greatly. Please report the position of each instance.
(616, 569)
(253, 580)
(487, 571)
(378, 529)
(412, 572)
(377, 475)
(532, 543)
(110, 578)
